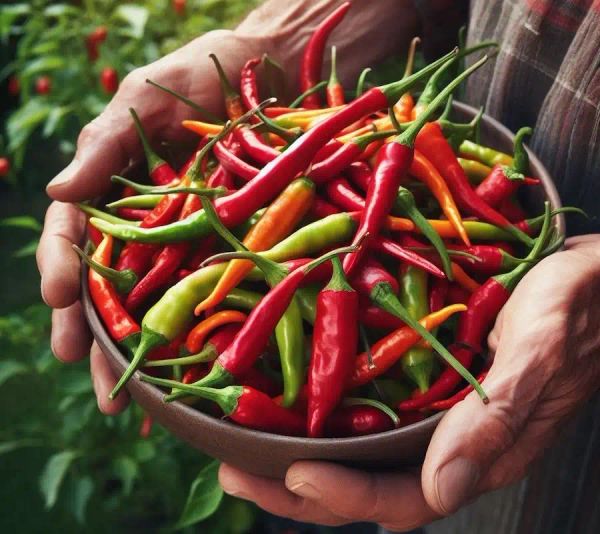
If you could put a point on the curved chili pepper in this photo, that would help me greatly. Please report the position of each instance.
(389, 349)
(403, 108)
(137, 201)
(483, 154)
(357, 420)
(359, 173)
(446, 404)
(389, 247)
(195, 339)
(312, 58)
(122, 281)
(321, 208)
(244, 405)
(252, 143)
(475, 170)
(374, 317)
(335, 91)
(272, 179)
(161, 173)
(393, 161)
(279, 220)
(492, 259)
(233, 163)
(437, 294)
(457, 294)
(233, 102)
(512, 210)
(134, 214)
(120, 325)
(417, 364)
(335, 337)
(94, 235)
(249, 85)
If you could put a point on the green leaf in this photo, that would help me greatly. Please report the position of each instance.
(8, 15)
(44, 48)
(9, 446)
(53, 475)
(10, 368)
(27, 250)
(22, 221)
(58, 10)
(24, 121)
(144, 451)
(82, 491)
(126, 470)
(204, 497)
(54, 119)
(135, 16)
(43, 64)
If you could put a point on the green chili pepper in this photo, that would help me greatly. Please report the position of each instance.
(405, 202)
(136, 201)
(418, 361)
(307, 300)
(484, 154)
(103, 217)
(476, 171)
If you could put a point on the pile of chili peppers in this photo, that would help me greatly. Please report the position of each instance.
(330, 267)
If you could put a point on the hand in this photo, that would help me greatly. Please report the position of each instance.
(546, 344)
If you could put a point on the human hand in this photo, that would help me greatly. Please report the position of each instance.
(546, 364)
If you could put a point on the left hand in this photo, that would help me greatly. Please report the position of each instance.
(546, 344)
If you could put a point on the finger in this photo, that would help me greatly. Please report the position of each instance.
(70, 338)
(57, 262)
(362, 496)
(104, 381)
(271, 495)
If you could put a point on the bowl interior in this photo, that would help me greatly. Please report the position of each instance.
(269, 454)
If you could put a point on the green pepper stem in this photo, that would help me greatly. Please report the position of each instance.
(520, 157)
(408, 137)
(333, 79)
(123, 281)
(383, 296)
(315, 88)
(207, 354)
(360, 84)
(226, 86)
(365, 140)
(153, 160)
(289, 135)
(226, 398)
(410, 60)
(161, 190)
(338, 281)
(360, 401)
(99, 214)
(196, 107)
(217, 376)
(431, 88)
(136, 201)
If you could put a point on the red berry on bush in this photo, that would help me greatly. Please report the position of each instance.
(94, 40)
(4, 167)
(43, 85)
(109, 80)
(14, 85)
(179, 6)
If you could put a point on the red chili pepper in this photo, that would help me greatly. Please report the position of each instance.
(446, 404)
(179, 6)
(109, 79)
(374, 317)
(457, 294)
(43, 85)
(312, 58)
(4, 167)
(233, 102)
(360, 174)
(321, 208)
(389, 247)
(93, 41)
(134, 214)
(249, 85)
(437, 294)
(512, 211)
(14, 86)
(233, 163)
(253, 144)
(493, 260)
(204, 249)
(434, 146)
(335, 91)
(146, 426)
(335, 337)
(261, 382)
(357, 421)
(94, 235)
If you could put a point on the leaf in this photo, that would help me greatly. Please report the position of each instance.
(135, 16)
(54, 119)
(8, 15)
(144, 450)
(22, 221)
(58, 10)
(24, 121)
(10, 368)
(43, 64)
(126, 470)
(27, 250)
(44, 48)
(53, 475)
(204, 497)
(9, 446)
(82, 491)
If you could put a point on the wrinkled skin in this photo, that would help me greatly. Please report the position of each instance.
(545, 340)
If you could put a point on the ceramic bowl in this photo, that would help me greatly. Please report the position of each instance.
(269, 454)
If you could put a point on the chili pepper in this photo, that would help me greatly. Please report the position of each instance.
(14, 85)
(446, 404)
(393, 161)
(335, 91)
(94, 212)
(161, 173)
(202, 128)
(511, 209)
(254, 146)
(418, 361)
(179, 6)
(249, 85)
(272, 179)
(93, 41)
(195, 339)
(426, 172)
(233, 102)
(234, 164)
(374, 317)
(312, 58)
(483, 154)
(361, 419)
(475, 170)
(93, 234)
(405, 201)
(43, 85)
(344, 156)
(136, 201)
(389, 247)
(389, 349)
(244, 405)
(403, 108)
(492, 259)
(321, 208)
(335, 338)
(297, 101)
(279, 220)
(133, 213)
(359, 173)
(437, 294)
(204, 249)
(458, 294)
(109, 79)
(4, 167)
(482, 309)
(193, 188)
(120, 325)
(504, 180)
(122, 281)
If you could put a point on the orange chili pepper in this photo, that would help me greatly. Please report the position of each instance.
(424, 170)
(404, 107)
(279, 220)
(197, 336)
(463, 279)
(388, 350)
(202, 128)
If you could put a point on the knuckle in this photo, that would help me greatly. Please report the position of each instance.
(134, 80)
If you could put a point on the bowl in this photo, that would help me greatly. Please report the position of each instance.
(270, 455)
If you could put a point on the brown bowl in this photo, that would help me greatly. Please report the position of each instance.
(270, 454)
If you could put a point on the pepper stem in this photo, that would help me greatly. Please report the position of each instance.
(383, 296)
(218, 376)
(333, 79)
(410, 59)
(338, 280)
(365, 140)
(136, 201)
(520, 157)
(227, 397)
(154, 161)
(99, 214)
(226, 86)
(123, 281)
(360, 84)
(161, 190)
(271, 126)
(408, 137)
(207, 354)
(431, 88)
(360, 401)
(190, 103)
(315, 88)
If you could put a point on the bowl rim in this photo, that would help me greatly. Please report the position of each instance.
(198, 417)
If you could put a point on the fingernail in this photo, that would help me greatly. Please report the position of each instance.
(305, 490)
(455, 483)
(65, 175)
(231, 488)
